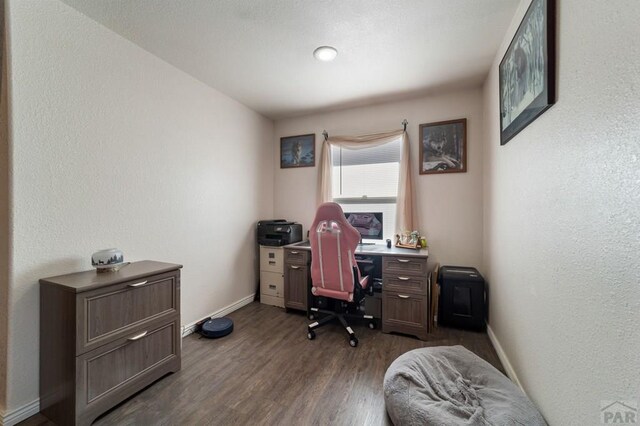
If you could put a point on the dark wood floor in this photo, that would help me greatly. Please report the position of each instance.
(267, 372)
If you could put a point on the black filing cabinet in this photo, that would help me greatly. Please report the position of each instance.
(462, 298)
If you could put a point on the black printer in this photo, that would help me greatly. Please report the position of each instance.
(278, 232)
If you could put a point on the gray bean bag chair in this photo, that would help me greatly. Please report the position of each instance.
(450, 385)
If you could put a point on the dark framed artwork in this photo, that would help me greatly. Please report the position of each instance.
(298, 151)
(443, 147)
(527, 72)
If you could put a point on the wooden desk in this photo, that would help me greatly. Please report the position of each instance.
(405, 291)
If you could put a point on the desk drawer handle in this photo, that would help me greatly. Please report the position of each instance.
(272, 262)
(404, 278)
(294, 252)
(403, 260)
(137, 336)
(295, 267)
(402, 296)
(138, 284)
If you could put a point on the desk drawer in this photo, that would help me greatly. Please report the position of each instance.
(109, 313)
(404, 266)
(404, 313)
(271, 259)
(272, 284)
(296, 287)
(400, 283)
(106, 372)
(298, 257)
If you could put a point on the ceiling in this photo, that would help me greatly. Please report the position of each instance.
(259, 52)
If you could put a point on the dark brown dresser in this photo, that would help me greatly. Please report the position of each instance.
(105, 336)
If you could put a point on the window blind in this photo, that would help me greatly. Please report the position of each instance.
(387, 153)
(366, 173)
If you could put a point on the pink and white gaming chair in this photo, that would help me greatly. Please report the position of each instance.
(334, 271)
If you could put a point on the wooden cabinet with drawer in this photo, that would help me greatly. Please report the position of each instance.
(105, 336)
(405, 301)
(296, 279)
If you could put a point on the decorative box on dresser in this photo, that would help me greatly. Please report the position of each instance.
(105, 336)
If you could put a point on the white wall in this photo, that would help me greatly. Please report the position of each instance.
(449, 205)
(4, 213)
(562, 220)
(112, 147)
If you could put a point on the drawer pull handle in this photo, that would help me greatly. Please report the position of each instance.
(137, 336)
(403, 278)
(272, 262)
(294, 252)
(295, 267)
(403, 260)
(272, 287)
(138, 284)
(402, 296)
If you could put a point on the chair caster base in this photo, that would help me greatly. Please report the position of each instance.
(353, 341)
(311, 334)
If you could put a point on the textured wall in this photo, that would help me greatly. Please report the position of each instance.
(449, 205)
(113, 147)
(4, 213)
(562, 220)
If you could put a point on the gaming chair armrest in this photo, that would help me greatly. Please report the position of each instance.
(366, 286)
(364, 282)
(361, 284)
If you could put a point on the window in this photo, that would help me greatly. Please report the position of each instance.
(366, 180)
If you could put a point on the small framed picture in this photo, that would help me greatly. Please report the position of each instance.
(443, 147)
(298, 151)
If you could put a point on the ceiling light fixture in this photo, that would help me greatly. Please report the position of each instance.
(325, 53)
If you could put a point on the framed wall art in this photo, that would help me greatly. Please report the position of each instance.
(443, 147)
(527, 73)
(298, 151)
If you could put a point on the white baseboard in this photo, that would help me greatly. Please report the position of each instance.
(503, 358)
(10, 418)
(189, 328)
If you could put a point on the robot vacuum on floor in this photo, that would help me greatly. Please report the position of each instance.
(217, 327)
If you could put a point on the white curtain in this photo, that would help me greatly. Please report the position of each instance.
(405, 216)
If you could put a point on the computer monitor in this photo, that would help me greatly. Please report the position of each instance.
(369, 225)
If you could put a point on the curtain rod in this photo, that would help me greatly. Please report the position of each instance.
(404, 128)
